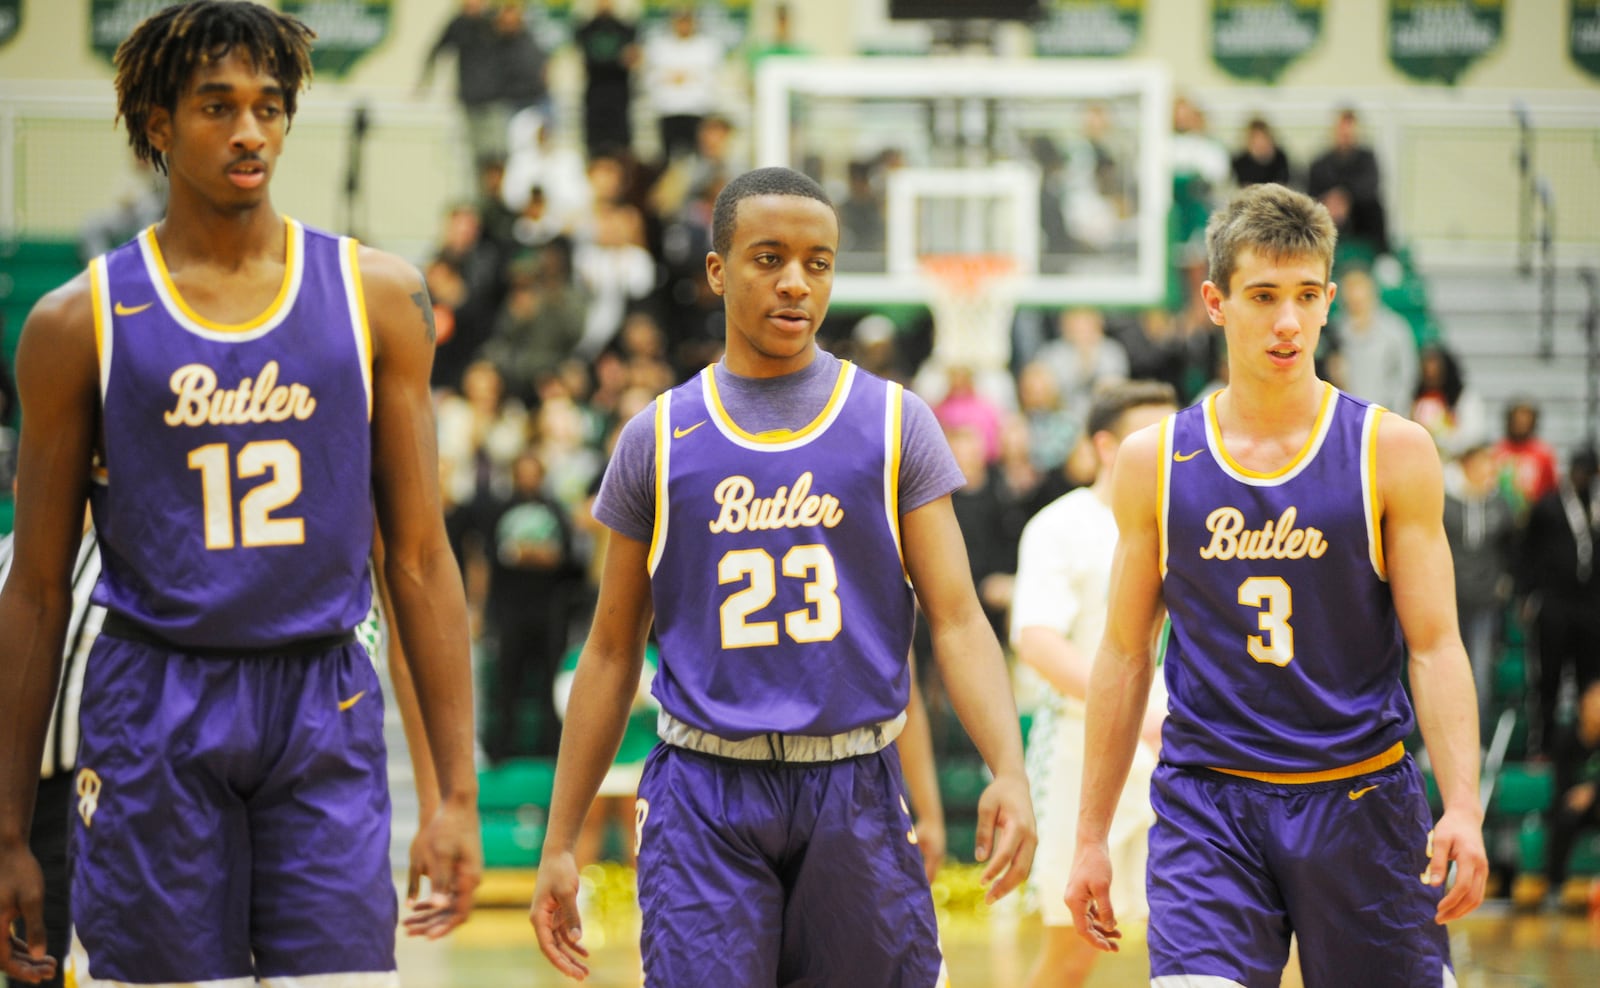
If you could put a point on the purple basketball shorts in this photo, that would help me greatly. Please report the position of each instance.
(232, 818)
(758, 874)
(1237, 865)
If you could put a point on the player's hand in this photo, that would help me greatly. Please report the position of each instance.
(1088, 896)
(22, 898)
(931, 844)
(448, 852)
(554, 914)
(1457, 837)
(1007, 834)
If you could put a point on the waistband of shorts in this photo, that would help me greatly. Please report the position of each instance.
(117, 626)
(775, 747)
(1364, 767)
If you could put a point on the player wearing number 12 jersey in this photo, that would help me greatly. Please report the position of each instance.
(238, 397)
(775, 515)
(1295, 536)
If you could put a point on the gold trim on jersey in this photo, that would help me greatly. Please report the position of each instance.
(1373, 764)
(1372, 501)
(658, 531)
(1319, 432)
(1164, 486)
(100, 302)
(778, 437)
(356, 298)
(893, 423)
(291, 271)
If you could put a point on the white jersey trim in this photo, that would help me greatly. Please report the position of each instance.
(78, 972)
(1194, 981)
(1369, 482)
(725, 424)
(1219, 451)
(356, 303)
(658, 537)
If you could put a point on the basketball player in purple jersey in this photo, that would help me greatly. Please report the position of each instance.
(774, 516)
(1295, 536)
(235, 394)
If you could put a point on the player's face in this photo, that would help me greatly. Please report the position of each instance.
(225, 134)
(775, 282)
(1272, 315)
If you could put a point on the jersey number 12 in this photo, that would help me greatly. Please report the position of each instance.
(257, 527)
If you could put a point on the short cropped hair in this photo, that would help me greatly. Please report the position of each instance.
(1272, 220)
(1114, 400)
(760, 182)
(156, 62)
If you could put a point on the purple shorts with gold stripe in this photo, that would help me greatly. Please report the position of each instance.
(1237, 865)
(232, 819)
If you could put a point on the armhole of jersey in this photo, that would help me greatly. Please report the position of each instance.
(1164, 486)
(658, 533)
(1370, 501)
(356, 301)
(894, 428)
(104, 336)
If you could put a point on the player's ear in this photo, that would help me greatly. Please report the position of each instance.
(714, 271)
(158, 129)
(1213, 299)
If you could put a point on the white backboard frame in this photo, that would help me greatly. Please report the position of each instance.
(1144, 283)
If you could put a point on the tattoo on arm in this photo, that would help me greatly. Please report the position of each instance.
(425, 303)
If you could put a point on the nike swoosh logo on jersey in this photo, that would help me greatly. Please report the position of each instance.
(124, 310)
(1358, 793)
(1185, 457)
(347, 704)
(680, 433)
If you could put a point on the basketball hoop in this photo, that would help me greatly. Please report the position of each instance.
(972, 297)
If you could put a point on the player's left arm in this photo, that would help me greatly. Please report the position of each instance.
(405, 700)
(1421, 578)
(424, 582)
(974, 671)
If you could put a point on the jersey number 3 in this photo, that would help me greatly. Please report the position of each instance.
(1271, 596)
(257, 527)
(817, 622)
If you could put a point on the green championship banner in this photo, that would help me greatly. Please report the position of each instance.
(111, 21)
(1437, 40)
(347, 30)
(1088, 28)
(1584, 16)
(1258, 39)
(10, 19)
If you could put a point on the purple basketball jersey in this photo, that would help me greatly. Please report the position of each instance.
(235, 508)
(1285, 653)
(781, 599)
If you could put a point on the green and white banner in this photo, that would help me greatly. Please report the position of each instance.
(1258, 39)
(1088, 28)
(347, 30)
(1437, 40)
(10, 20)
(111, 21)
(1584, 32)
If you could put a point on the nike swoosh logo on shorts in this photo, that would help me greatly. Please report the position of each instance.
(1185, 457)
(680, 433)
(1358, 793)
(125, 310)
(347, 704)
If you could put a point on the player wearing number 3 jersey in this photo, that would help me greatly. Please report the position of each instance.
(239, 398)
(777, 515)
(1295, 536)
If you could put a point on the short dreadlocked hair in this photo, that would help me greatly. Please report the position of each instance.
(157, 60)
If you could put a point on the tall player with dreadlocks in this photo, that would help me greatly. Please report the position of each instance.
(235, 395)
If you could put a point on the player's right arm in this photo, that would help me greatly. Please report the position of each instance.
(603, 689)
(58, 381)
(1119, 683)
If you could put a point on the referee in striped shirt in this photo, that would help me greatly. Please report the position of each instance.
(53, 804)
